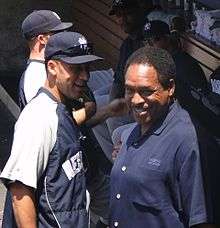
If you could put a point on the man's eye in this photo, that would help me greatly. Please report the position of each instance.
(146, 93)
(76, 69)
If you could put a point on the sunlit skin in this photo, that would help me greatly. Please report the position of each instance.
(145, 95)
(67, 81)
(37, 46)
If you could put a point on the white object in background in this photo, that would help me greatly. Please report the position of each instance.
(194, 7)
(178, 3)
(193, 25)
(186, 5)
(205, 19)
(162, 16)
(216, 36)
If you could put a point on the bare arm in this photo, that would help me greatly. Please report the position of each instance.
(117, 91)
(86, 108)
(117, 107)
(85, 113)
(23, 200)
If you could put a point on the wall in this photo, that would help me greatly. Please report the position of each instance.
(91, 19)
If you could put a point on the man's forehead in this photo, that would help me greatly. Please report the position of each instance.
(140, 68)
(144, 72)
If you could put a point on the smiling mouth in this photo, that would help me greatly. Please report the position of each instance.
(140, 110)
(80, 86)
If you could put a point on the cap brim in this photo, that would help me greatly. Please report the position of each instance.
(62, 26)
(80, 59)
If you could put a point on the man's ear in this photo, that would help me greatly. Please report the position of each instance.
(52, 67)
(43, 39)
(172, 87)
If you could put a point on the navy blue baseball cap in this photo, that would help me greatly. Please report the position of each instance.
(43, 21)
(155, 28)
(70, 48)
(123, 4)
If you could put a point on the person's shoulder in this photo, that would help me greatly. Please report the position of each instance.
(183, 57)
(35, 67)
(41, 108)
(183, 126)
(184, 137)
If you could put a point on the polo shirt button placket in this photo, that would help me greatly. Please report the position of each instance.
(118, 196)
(115, 224)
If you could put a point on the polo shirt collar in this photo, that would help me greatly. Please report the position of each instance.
(35, 60)
(157, 128)
(164, 122)
(49, 94)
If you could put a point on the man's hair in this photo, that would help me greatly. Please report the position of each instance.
(160, 59)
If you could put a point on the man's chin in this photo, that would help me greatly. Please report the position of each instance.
(74, 96)
(141, 118)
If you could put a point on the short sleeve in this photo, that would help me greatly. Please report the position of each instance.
(33, 71)
(191, 185)
(33, 141)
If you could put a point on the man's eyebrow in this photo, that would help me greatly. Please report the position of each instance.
(140, 87)
(145, 87)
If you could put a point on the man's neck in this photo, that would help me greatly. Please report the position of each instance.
(37, 56)
(37, 52)
(144, 129)
(55, 92)
(163, 113)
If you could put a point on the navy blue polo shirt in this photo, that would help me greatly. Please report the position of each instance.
(156, 180)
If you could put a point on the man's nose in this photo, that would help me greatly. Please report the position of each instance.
(137, 98)
(84, 75)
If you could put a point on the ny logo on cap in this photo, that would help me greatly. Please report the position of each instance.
(82, 40)
(147, 26)
(83, 43)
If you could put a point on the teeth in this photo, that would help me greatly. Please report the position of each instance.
(82, 86)
(139, 109)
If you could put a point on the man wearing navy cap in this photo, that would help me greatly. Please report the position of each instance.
(37, 27)
(46, 171)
